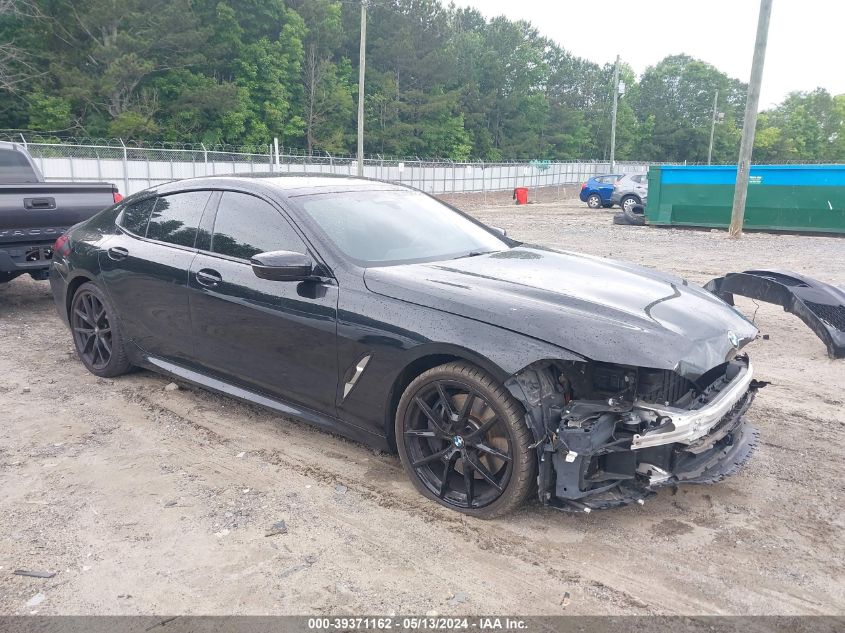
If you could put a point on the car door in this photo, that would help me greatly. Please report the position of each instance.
(278, 337)
(605, 187)
(145, 271)
(641, 185)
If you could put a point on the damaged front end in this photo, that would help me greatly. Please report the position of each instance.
(612, 434)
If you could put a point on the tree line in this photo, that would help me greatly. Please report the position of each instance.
(441, 81)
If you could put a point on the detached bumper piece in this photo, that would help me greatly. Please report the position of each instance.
(601, 458)
(820, 305)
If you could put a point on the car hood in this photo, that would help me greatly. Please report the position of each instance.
(599, 308)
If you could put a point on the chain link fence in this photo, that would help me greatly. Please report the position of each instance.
(133, 166)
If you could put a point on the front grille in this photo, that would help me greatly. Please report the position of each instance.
(833, 316)
(661, 386)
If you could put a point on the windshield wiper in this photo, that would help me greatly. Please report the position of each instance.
(473, 254)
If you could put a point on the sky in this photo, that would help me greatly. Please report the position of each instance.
(805, 48)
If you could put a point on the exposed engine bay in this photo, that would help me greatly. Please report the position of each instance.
(613, 434)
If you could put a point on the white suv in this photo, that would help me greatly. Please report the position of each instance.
(629, 190)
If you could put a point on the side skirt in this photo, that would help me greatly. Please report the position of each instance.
(321, 420)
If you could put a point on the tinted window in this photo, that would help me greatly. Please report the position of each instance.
(176, 217)
(246, 225)
(14, 167)
(391, 227)
(135, 217)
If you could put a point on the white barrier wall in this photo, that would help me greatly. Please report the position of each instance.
(132, 175)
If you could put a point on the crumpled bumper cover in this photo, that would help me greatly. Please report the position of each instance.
(820, 305)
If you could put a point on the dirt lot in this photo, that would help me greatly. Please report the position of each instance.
(148, 500)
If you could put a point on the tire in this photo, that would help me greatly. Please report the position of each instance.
(628, 202)
(96, 333)
(594, 201)
(627, 218)
(479, 448)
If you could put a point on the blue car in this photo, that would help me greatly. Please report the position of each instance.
(597, 190)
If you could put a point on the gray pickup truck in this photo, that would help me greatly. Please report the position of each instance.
(34, 213)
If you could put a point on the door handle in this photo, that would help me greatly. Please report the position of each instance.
(39, 203)
(117, 253)
(208, 277)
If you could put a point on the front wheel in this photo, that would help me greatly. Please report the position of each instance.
(463, 441)
(96, 333)
(628, 203)
(594, 201)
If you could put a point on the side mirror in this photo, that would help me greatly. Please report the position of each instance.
(500, 230)
(282, 266)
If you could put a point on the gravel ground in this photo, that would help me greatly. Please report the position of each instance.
(144, 499)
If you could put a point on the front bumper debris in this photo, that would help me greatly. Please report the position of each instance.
(606, 453)
(820, 305)
(687, 426)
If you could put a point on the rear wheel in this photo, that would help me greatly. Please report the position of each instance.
(594, 201)
(96, 333)
(463, 441)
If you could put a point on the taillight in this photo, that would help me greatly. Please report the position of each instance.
(584, 186)
(62, 246)
(117, 197)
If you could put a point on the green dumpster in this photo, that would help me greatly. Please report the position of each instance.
(780, 197)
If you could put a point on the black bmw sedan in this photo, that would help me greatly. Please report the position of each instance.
(373, 310)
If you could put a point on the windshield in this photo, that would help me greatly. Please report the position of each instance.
(378, 228)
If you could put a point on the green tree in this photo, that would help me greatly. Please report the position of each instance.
(807, 126)
(441, 81)
(678, 94)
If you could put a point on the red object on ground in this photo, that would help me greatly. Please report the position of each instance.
(520, 194)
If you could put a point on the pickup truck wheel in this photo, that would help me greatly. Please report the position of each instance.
(594, 201)
(463, 441)
(96, 333)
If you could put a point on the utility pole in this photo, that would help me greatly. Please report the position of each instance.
(613, 120)
(362, 61)
(713, 128)
(748, 127)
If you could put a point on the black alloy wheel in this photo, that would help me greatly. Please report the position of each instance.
(463, 441)
(96, 335)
